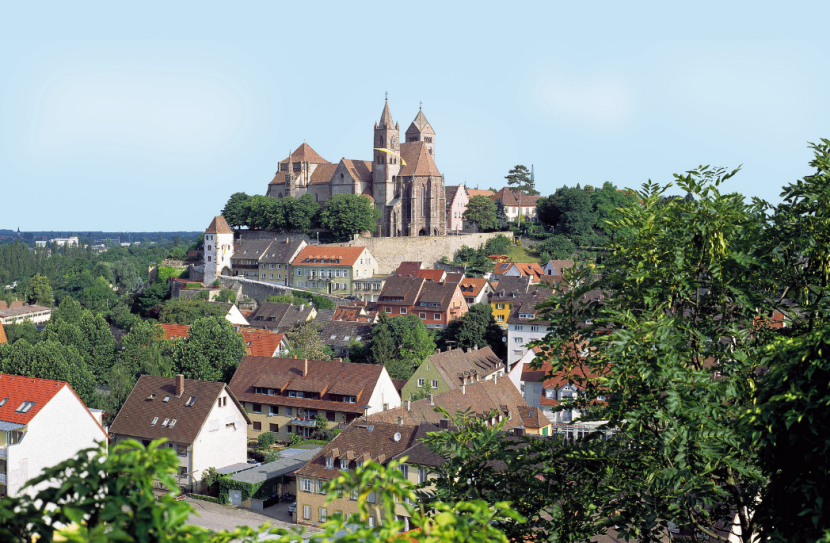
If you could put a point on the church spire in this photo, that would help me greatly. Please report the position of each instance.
(386, 117)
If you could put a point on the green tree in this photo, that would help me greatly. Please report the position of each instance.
(497, 245)
(577, 212)
(258, 210)
(285, 299)
(304, 341)
(321, 422)
(265, 440)
(49, 360)
(520, 178)
(25, 330)
(502, 221)
(226, 295)
(606, 200)
(557, 247)
(235, 211)
(400, 344)
(40, 292)
(210, 352)
(151, 299)
(477, 328)
(303, 213)
(547, 211)
(349, 214)
(124, 274)
(481, 211)
(189, 311)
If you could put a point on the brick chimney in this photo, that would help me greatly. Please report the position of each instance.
(305, 367)
(179, 385)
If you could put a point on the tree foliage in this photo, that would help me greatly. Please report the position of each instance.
(304, 341)
(477, 328)
(349, 214)
(481, 211)
(399, 344)
(520, 178)
(210, 352)
(189, 311)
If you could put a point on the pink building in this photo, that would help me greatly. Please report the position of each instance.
(457, 199)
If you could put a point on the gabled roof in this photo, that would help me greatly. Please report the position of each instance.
(324, 377)
(472, 286)
(360, 170)
(340, 333)
(3, 338)
(525, 304)
(280, 251)
(172, 331)
(279, 315)
(386, 117)
(400, 290)
(533, 417)
(418, 160)
(262, 342)
(25, 389)
(433, 276)
(17, 303)
(481, 398)
(513, 197)
(3, 304)
(409, 269)
(250, 249)
(146, 402)
(304, 153)
(322, 174)
(420, 125)
(219, 226)
(450, 192)
(376, 441)
(436, 293)
(559, 266)
(328, 256)
(530, 269)
(507, 286)
(477, 192)
(457, 366)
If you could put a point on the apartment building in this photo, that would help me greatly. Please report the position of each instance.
(448, 370)
(436, 304)
(331, 270)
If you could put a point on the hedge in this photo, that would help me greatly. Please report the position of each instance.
(257, 491)
(205, 498)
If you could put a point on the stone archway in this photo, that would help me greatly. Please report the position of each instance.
(423, 232)
(226, 271)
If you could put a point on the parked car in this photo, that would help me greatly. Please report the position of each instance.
(292, 508)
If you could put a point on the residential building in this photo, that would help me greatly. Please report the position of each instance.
(520, 269)
(276, 261)
(475, 290)
(359, 443)
(203, 421)
(271, 479)
(280, 316)
(338, 334)
(331, 270)
(233, 315)
(517, 204)
(257, 342)
(477, 192)
(401, 180)
(354, 313)
(409, 269)
(285, 395)
(493, 401)
(218, 249)
(42, 423)
(368, 289)
(457, 199)
(523, 324)
(504, 296)
(535, 422)
(436, 304)
(449, 370)
(558, 267)
(246, 255)
(16, 314)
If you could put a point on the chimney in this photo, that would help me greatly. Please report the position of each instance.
(179, 385)
(445, 424)
(437, 351)
(495, 379)
(408, 404)
(337, 360)
(519, 431)
(476, 347)
(431, 398)
(305, 367)
(463, 388)
(400, 421)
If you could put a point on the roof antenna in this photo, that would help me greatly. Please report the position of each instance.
(420, 106)
(387, 96)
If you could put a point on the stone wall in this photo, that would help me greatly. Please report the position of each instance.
(272, 234)
(390, 252)
(260, 290)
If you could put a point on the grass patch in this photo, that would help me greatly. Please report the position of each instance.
(523, 254)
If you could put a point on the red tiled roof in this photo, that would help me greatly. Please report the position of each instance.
(431, 275)
(219, 226)
(530, 268)
(17, 303)
(304, 153)
(175, 330)
(332, 256)
(471, 286)
(360, 170)
(322, 174)
(512, 197)
(476, 192)
(3, 305)
(262, 343)
(418, 160)
(408, 269)
(25, 389)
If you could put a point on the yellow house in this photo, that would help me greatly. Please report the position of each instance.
(535, 421)
(359, 443)
(505, 293)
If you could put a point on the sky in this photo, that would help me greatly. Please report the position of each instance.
(147, 116)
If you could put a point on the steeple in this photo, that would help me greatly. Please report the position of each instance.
(421, 130)
(386, 117)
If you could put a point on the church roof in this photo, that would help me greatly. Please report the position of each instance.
(368, 194)
(304, 153)
(219, 226)
(322, 174)
(420, 125)
(360, 170)
(418, 160)
(386, 117)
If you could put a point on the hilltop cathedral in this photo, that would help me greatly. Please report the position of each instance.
(409, 193)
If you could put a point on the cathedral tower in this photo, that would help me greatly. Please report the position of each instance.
(421, 130)
(386, 166)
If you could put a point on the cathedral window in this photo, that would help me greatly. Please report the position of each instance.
(423, 201)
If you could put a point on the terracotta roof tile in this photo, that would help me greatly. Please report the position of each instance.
(434, 276)
(409, 269)
(418, 160)
(472, 286)
(533, 417)
(401, 290)
(262, 342)
(219, 226)
(304, 153)
(330, 256)
(477, 192)
(139, 410)
(456, 365)
(360, 170)
(3, 305)
(450, 193)
(512, 197)
(17, 303)
(25, 389)
(280, 316)
(322, 174)
(175, 330)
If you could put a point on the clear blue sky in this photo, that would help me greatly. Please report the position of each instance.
(147, 116)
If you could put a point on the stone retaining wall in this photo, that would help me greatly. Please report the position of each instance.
(260, 290)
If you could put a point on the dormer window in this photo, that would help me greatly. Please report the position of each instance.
(155, 420)
(344, 464)
(358, 465)
(330, 462)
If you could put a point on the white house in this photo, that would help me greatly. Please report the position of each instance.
(523, 326)
(557, 267)
(16, 315)
(42, 423)
(202, 420)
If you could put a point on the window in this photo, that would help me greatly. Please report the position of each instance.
(257, 426)
(499, 318)
(274, 410)
(434, 384)
(519, 327)
(354, 494)
(344, 464)
(321, 514)
(320, 487)
(183, 471)
(420, 383)
(181, 450)
(534, 328)
(274, 428)
(256, 408)
(437, 316)
(371, 497)
(422, 475)
(403, 311)
(404, 470)
(306, 485)
(299, 272)
(387, 309)
(289, 411)
(517, 340)
(499, 306)
(372, 522)
(422, 315)
(329, 462)
(345, 273)
(307, 512)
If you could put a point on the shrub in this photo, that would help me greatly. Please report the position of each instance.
(265, 440)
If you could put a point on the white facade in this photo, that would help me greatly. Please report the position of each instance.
(515, 371)
(35, 313)
(217, 256)
(519, 336)
(60, 429)
(385, 396)
(235, 316)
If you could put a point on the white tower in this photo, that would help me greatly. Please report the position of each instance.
(218, 249)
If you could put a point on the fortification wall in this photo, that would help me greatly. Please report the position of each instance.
(259, 290)
(390, 252)
(273, 234)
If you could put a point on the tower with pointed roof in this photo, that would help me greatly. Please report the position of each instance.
(218, 249)
(385, 165)
(421, 130)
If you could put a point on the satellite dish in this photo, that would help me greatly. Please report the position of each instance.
(397, 437)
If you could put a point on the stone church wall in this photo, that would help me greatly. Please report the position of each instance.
(390, 252)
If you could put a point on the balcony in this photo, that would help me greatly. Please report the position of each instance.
(3, 479)
(304, 422)
(4, 452)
